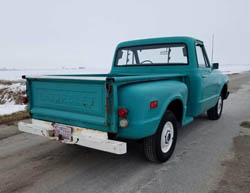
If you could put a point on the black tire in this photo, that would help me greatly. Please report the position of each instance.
(215, 113)
(152, 145)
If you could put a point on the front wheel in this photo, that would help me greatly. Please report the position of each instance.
(160, 147)
(215, 112)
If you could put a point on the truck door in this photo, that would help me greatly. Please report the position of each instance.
(209, 93)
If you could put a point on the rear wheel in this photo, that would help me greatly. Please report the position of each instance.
(215, 112)
(160, 147)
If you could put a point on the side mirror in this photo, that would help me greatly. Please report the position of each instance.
(215, 66)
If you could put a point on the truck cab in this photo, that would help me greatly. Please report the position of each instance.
(154, 87)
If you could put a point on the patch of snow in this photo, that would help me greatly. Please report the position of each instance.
(17, 87)
(7, 109)
(9, 96)
(13, 87)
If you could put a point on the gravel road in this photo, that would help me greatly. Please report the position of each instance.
(31, 163)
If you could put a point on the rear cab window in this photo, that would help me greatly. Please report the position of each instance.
(149, 55)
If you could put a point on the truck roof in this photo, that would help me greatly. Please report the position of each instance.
(177, 39)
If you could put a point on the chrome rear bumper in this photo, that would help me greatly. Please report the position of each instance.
(80, 136)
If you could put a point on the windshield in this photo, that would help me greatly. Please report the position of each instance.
(167, 54)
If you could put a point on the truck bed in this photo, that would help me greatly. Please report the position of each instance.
(81, 100)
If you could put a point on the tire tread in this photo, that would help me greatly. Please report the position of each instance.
(149, 149)
(151, 144)
(212, 113)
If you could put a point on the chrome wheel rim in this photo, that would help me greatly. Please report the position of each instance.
(167, 137)
(219, 105)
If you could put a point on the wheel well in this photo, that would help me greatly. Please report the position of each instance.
(224, 91)
(176, 107)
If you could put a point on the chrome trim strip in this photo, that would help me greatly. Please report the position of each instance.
(69, 77)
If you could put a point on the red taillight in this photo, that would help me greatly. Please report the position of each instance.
(153, 104)
(25, 100)
(122, 112)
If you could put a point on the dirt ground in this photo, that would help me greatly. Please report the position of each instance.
(236, 177)
(12, 118)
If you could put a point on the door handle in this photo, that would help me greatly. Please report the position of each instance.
(204, 76)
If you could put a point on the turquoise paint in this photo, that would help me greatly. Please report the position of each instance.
(136, 97)
(84, 103)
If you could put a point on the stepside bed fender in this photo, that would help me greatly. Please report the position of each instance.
(177, 106)
(144, 121)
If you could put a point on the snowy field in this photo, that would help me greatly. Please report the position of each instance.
(17, 74)
(234, 68)
(9, 108)
(10, 94)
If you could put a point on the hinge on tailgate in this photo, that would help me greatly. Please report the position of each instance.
(109, 102)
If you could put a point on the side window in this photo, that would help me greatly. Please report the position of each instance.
(202, 62)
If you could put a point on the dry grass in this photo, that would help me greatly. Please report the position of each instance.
(10, 82)
(6, 119)
(245, 124)
(9, 95)
(237, 170)
(5, 94)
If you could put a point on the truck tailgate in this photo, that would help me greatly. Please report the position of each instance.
(69, 100)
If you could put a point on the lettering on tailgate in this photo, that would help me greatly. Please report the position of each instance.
(81, 100)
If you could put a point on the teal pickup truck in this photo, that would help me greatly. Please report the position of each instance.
(155, 86)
